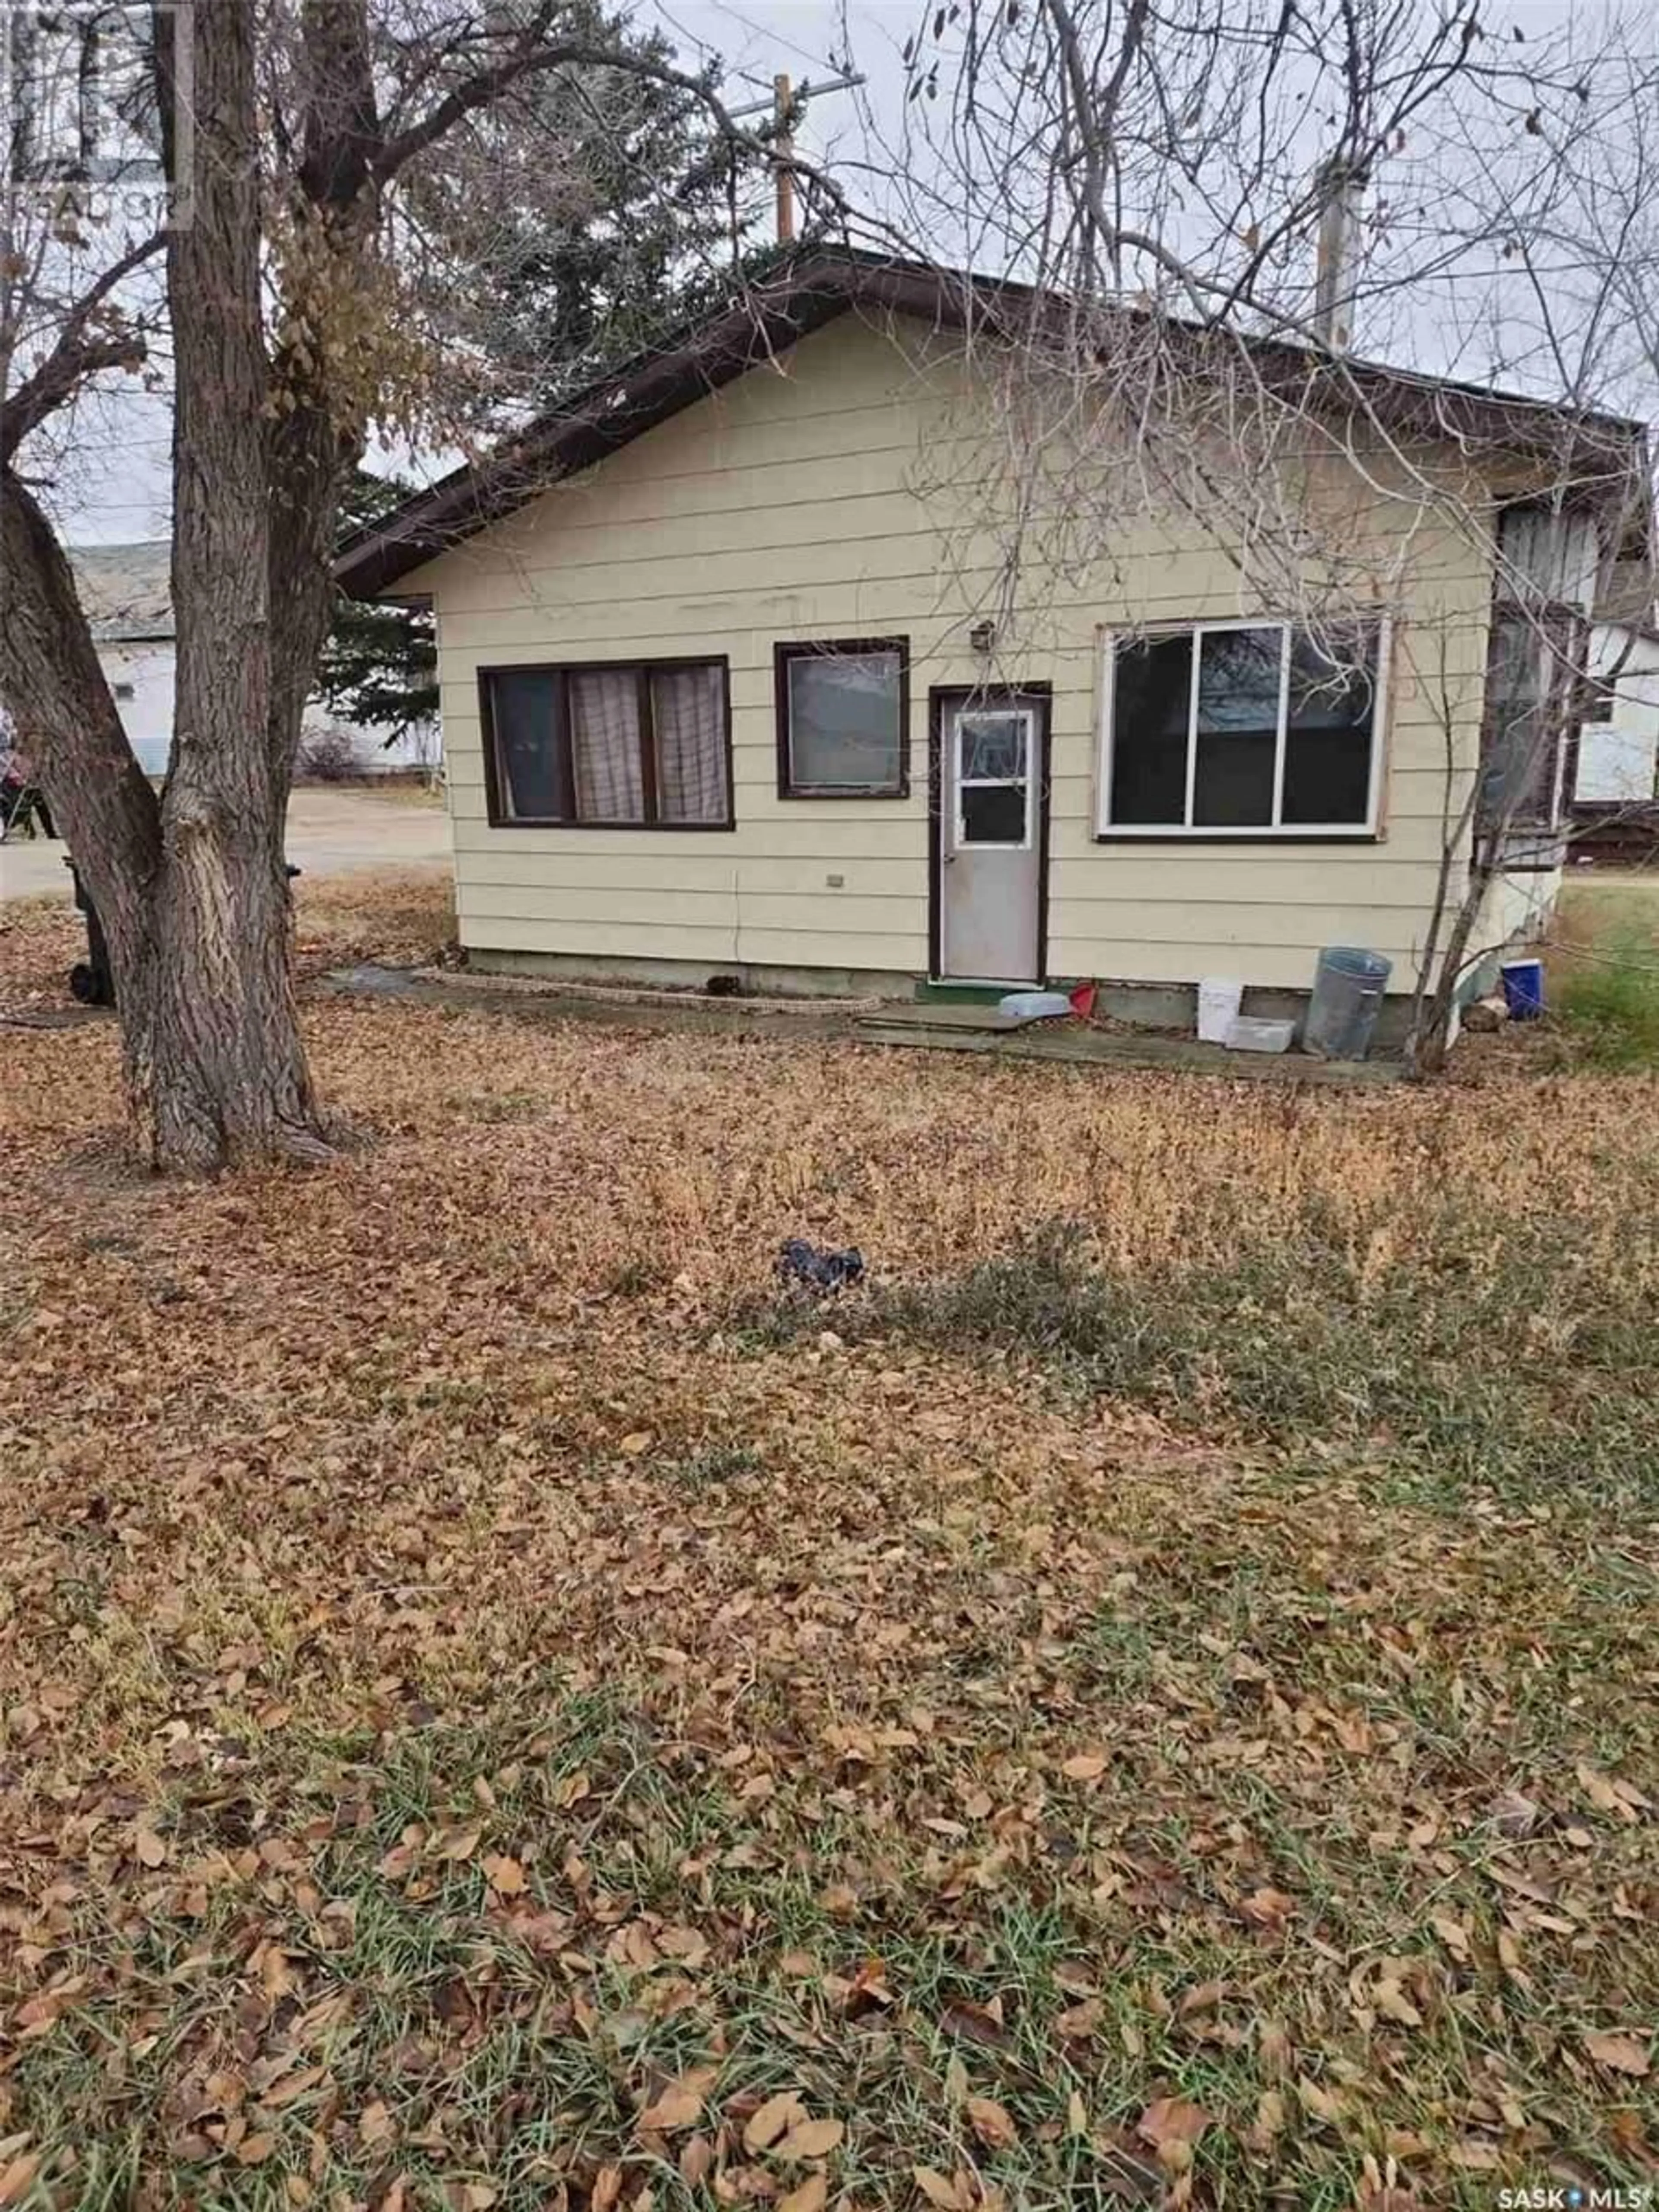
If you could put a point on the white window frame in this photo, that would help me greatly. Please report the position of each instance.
(964, 714)
(1204, 832)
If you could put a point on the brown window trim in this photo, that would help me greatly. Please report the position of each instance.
(500, 818)
(802, 649)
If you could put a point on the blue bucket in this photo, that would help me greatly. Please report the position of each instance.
(1524, 988)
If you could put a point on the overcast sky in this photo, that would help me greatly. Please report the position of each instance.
(118, 490)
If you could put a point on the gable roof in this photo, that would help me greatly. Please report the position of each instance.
(816, 284)
(127, 590)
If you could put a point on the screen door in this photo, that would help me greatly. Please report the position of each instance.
(990, 847)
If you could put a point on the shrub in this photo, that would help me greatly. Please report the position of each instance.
(327, 756)
(1609, 1001)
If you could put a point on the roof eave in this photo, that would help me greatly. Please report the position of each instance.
(820, 283)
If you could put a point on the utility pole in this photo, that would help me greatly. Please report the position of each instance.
(784, 101)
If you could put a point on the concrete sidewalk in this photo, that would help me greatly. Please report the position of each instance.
(331, 830)
(928, 1028)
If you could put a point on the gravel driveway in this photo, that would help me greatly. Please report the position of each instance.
(331, 830)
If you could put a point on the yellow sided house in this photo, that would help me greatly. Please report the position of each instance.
(801, 650)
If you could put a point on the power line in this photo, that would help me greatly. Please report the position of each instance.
(841, 81)
(772, 36)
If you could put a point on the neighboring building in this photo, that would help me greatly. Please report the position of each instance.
(726, 688)
(1619, 734)
(1615, 782)
(126, 592)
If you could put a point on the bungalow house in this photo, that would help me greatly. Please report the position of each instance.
(739, 677)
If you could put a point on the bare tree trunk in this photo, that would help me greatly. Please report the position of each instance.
(309, 449)
(1428, 1040)
(306, 460)
(193, 889)
(51, 678)
(197, 943)
(1429, 1044)
(217, 1015)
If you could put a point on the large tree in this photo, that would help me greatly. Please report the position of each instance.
(295, 131)
(544, 239)
(1163, 175)
(559, 228)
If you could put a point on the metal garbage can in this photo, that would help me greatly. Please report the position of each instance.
(1347, 998)
(92, 981)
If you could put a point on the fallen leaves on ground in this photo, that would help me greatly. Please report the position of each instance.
(1172, 2120)
(678, 2106)
(1622, 2054)
(478, 1725)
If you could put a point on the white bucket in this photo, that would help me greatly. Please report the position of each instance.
(1253, 1033)
(1218, 1001)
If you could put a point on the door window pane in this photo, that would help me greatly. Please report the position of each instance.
(1151, 699)
(526, 709)
(844, 715)
(994, 813)
(992, 748)
(1238, 688)
(1327, 738)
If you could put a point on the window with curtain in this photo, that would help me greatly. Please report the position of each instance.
(630, 744)
(842, 710)
(1239, 728)
(1531, 656)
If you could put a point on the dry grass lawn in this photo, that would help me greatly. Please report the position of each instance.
(1151, 1702)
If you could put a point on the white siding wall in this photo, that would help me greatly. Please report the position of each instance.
(1517, 911)
(793, 505)
(146, 670)
(1618, 760)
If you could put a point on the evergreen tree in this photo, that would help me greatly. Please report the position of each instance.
(541, 275)
(533, 278)
(380, 663)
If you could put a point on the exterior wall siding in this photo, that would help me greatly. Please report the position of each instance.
(1618, 760)
(833, 496)
(144, 670)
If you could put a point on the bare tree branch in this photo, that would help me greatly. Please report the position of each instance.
(77, 354)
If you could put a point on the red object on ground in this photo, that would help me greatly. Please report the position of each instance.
(1083, 1001)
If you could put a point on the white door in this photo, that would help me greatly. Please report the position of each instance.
(990, 867)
